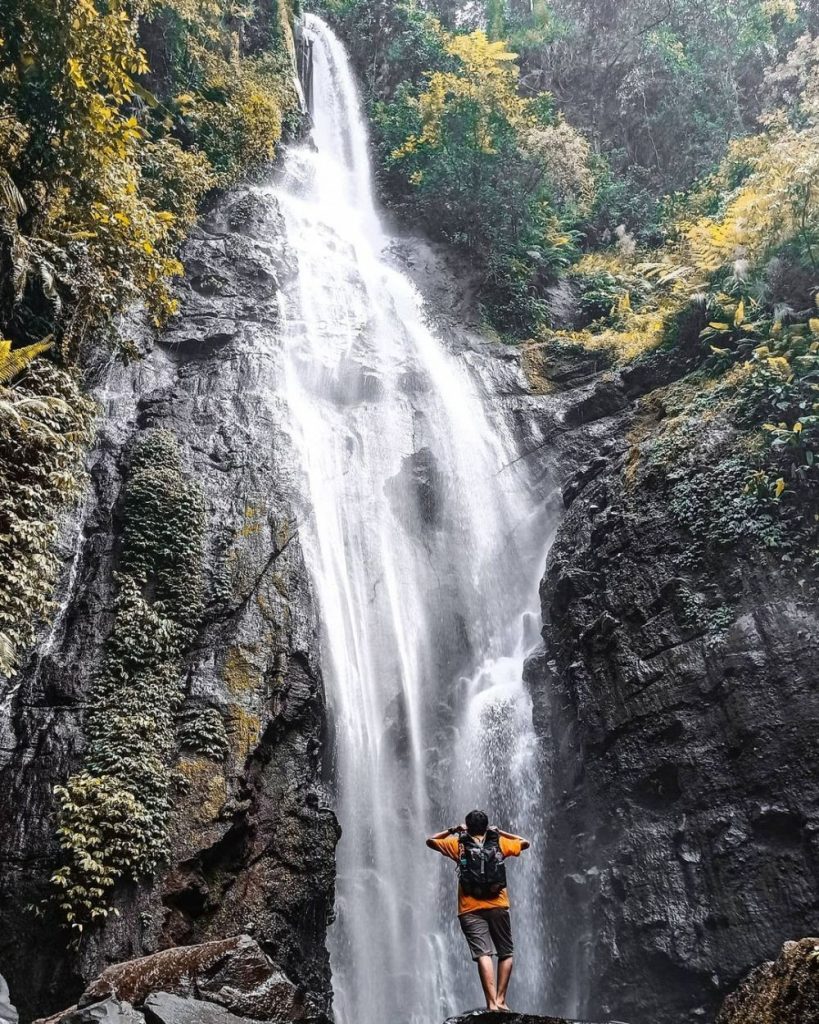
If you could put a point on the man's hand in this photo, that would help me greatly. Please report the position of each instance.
(524, 843)
(447, 832)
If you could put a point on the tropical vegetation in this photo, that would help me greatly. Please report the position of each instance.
(657, 163)
(117, 119)
(659, 160)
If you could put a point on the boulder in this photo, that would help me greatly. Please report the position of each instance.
(107, 1011)
(165, 1008)
(781, 991)
(234, 973)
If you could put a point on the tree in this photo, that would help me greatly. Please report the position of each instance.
(495, 173)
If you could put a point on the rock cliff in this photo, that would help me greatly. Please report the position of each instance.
(251, 840)
(676, 696)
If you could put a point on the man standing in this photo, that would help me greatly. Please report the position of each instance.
(483, 900)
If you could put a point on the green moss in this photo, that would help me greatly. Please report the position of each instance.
(732, 481)
(206, 791)
(113, 814)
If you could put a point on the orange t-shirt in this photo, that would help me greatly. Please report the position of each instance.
(466, 904)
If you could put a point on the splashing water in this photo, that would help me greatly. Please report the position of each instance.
(424, 553)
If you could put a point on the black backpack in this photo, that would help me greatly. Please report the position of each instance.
(480, 866)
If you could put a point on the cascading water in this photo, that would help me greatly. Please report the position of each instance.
(424, 553)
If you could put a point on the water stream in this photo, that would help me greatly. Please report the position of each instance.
(424, 541)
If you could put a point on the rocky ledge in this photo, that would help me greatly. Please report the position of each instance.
(223, 982)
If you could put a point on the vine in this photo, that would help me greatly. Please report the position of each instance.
(113, 813)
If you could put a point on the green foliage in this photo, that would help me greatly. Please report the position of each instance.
(495, 174)
(711, 500)
(45, 423)
(113, 813)
(394, 43)
(227, 81)
(202, 730)
(101, 175)
(115, 121)
(660, 87)
(737, 285)
(699, 618)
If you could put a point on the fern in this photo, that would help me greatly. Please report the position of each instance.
(10, 195)
(12, 363)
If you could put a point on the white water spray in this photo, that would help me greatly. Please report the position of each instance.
(424, 554)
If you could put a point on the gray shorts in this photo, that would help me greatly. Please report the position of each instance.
(485, 929)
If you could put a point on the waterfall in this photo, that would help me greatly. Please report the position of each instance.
(425, 542)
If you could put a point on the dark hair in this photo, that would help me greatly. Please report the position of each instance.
(476, 823)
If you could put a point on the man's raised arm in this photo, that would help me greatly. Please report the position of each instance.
(443, 835)
(524, 843)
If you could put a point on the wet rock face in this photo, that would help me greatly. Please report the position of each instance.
(679, 714)
(252, 841)
(785, 991)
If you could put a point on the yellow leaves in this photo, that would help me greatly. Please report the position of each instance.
(486, 80)
(779, 488)
(739, 315)
(780, 364)
(813, 325)
(75, 73)
(771, 207)
(14, 362)
(785, 8)
(480, 56)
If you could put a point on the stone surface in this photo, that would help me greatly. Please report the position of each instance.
(683, 798)
(235, 973)
(164, 1008)
(784, 991)
(107, 1011)
(252, 843)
